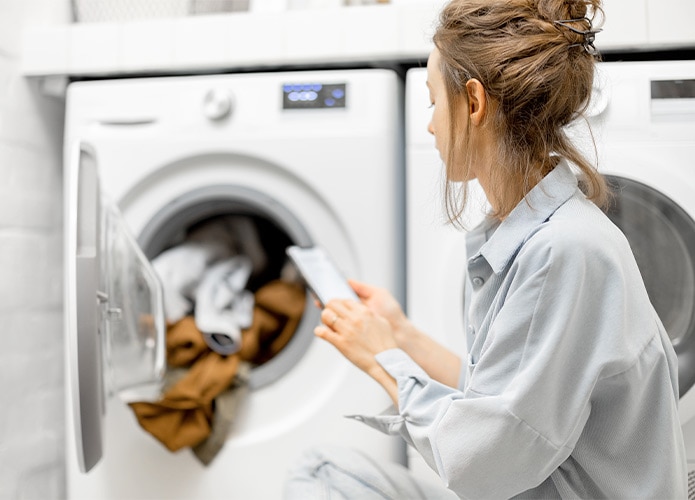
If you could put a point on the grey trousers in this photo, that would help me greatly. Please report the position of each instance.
(338, 473)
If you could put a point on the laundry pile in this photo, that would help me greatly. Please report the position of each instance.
(218, 328)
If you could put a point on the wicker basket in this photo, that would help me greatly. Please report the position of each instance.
(214, 6)
(95, 11)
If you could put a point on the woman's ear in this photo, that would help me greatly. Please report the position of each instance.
(477, 101)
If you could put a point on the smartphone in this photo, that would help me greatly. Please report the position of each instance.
(320, 274)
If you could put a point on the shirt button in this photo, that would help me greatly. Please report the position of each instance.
(471, 329)
(478, 281)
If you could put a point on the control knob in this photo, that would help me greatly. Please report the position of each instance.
(217, 104)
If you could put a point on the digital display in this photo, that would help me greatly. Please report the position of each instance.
(313, 95)
(673, 89)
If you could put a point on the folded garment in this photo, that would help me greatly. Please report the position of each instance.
(223, 307)
(186, 414)
(180, 270)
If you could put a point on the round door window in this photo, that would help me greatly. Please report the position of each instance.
(236, 221)
(662, 237)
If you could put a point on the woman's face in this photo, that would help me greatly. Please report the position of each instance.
(439, 123)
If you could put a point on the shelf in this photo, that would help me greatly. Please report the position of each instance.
(245, 41)
(233, 41)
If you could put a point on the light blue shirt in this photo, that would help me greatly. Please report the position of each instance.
(570, 388)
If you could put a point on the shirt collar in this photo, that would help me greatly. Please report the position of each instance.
(537, 206)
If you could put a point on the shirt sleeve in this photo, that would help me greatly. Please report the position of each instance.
(528, 394)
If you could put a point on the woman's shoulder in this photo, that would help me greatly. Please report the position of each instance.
(578, 230)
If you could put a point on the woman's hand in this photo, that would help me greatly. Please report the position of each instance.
(357, 331)
(383, 303)
(439, 362)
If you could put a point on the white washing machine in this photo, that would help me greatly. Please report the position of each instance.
(643, 120)
(317, 158)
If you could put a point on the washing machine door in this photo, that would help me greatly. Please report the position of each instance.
(662, 237)
(114, 319)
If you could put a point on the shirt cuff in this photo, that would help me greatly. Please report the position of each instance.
(398, 364)
(388, 421)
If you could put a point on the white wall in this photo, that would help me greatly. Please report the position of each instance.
(31, 353)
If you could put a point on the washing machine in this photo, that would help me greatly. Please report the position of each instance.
(642, 121)
(316, 158)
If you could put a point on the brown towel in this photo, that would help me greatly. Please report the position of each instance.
(278, 310)
(225, 409)
(184, 416)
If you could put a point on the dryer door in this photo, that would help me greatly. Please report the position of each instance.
(114, 321)
(662, 238)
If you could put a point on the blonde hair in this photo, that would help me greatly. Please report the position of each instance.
(536, 62)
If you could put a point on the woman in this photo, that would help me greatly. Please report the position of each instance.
(570, 386)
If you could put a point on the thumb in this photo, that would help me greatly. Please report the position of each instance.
(363, 290)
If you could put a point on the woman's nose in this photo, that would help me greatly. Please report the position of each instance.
(430, 128)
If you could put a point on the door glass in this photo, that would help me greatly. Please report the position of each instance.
(114, 323)
(662, 238)
(133, 308)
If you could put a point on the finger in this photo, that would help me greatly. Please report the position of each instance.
(325, 333)
(344, 308)
(329, 317)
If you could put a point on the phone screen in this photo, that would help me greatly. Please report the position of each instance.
(321, 274)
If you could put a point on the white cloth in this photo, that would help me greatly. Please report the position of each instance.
(180, 269)
(223, 307)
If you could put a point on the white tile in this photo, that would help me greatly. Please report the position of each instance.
(35, 210)
(30, 284)
(25, 169)
(45, 49)
(29, 447)
(256, 39)
(30, 119)
(44, 480)
(8, 68)
(94, 48)
(625, 25)
(670, 22)
(147, 45)
(318, 36)
(42, 331)
(370, 31)
(417, 24)
(11, 23)
(201, 41)
(47, 12)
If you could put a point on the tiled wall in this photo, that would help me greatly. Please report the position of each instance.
(31, 345)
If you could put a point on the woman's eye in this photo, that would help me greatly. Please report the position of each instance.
(431, 105)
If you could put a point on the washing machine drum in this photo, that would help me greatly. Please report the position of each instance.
(662, 237)
(241, 222)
